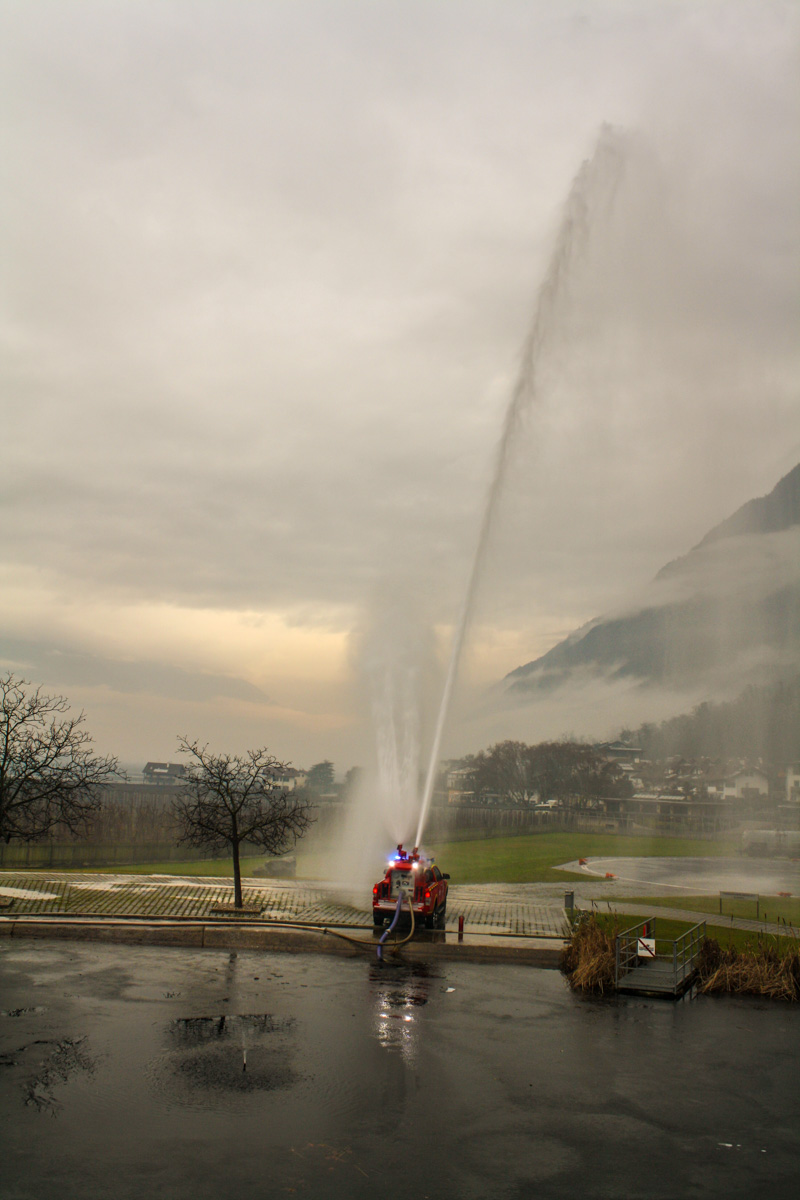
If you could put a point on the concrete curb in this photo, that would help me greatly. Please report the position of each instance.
(534, 952)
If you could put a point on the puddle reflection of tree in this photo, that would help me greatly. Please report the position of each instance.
(196, 1031)
(228, 1053)
(69, 1058)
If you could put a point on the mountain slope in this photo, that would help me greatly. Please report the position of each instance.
(726, 613)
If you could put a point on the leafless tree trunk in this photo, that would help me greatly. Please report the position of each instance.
(227, 800)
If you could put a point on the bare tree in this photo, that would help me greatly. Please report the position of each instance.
(48, 774)
(229, 799)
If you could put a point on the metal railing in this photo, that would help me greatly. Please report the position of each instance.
(685, 950)
(668, 969)
(627, 942)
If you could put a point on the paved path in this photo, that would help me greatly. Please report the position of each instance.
(153, 896)
(523, 910)
(492, 909)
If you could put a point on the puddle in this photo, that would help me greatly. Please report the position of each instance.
(223, 1057)
(27, 894)
(70, 1057)
(398, 993)
(196, 1031)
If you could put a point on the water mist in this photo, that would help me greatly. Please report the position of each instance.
(394, 652)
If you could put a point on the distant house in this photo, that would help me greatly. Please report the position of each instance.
(751, 783)
(289, 778)
(164, 774)
(620, 752)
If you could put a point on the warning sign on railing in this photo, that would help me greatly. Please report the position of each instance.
(646, 947)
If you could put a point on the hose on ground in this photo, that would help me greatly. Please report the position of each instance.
(393, 946)
(345, 938)
(403, 895)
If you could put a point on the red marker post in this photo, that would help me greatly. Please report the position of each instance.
(461, 929)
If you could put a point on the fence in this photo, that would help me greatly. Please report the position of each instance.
(751, 897)
(68, 855)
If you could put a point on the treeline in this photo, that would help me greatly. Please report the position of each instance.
(761, 723)
(571, 773)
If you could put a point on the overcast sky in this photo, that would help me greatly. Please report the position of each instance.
(267, 272)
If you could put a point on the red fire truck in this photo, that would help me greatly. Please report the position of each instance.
(422, 883)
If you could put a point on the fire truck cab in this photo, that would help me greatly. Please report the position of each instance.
(420, 880)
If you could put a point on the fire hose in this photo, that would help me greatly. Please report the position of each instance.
(395, 946)
(395, 919)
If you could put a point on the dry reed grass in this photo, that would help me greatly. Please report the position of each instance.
(769, 968)
(765, 969)
(588, 961)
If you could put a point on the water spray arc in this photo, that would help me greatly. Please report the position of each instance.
(592, 191)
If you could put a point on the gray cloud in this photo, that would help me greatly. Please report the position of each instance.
(270, 266)
(67, 667)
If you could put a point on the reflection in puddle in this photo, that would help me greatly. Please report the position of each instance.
(398, 991)
(193, 1031)
(228, 1054)
(68, 1058)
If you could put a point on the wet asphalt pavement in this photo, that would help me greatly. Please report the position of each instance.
(121, 1075)
(688, 876)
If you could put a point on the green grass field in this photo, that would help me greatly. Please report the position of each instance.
(770, 908)
(532, 858)
(528, 859)
(667, 930)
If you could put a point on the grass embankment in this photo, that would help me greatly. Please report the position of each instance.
(532, 858)
(668, 929)
(730, 961)
(776, 909)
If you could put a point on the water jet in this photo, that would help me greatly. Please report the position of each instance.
(592, 192)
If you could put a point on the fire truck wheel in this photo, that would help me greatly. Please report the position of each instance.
(430, 921)
(441, 916)
(377, 919)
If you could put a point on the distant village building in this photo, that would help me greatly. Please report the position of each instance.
(459, 786)
(620, 752)
(289, 778)
(748, 784)
(165, 774)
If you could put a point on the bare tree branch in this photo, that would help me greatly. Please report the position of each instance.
(48, 773)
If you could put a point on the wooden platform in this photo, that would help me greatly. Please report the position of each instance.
(656, 978)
